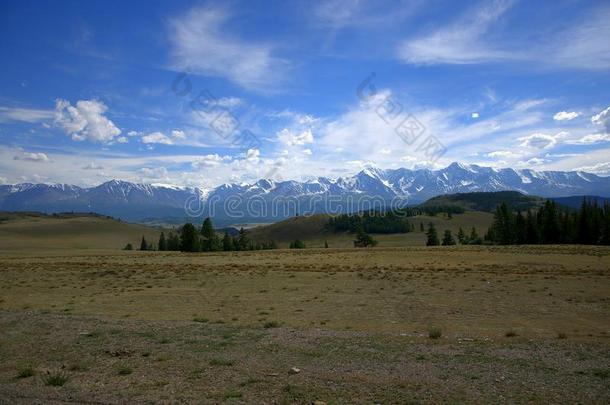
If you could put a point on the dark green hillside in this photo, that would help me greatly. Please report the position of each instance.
(486, 201)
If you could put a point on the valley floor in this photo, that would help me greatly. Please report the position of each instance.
(517, 324)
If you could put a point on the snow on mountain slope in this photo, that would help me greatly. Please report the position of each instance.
(137, 202)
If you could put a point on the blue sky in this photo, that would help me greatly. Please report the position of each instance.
(202, 93)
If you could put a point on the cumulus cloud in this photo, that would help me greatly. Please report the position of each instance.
(33, 157)
(603, 119)
(290, 137)
(565, 116)
(474, 115)
(85, 120)
(178, 134)
(201, 44)
(252, 156)
(157, 137)
(209, 161)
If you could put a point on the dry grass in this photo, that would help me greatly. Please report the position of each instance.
(230, 326)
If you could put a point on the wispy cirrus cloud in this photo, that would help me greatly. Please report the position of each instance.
(462, 42)
(30, 115)
(475, 37)
(201, 44)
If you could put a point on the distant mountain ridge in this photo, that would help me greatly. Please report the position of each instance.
(268, 200)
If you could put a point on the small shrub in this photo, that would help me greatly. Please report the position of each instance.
(124, 370)
(221, 362)
(56, 379)
(562, 336)
(601, 373)
(232, 394)
(271, 324)
(510, 333)
(26, 372)
(434, 333)
(200, 320)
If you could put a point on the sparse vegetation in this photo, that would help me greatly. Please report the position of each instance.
(124, 370)
(26, 372)
(56, 378)
(434, 333)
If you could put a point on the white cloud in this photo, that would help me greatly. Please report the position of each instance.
(289, 137)
(602, 168)
(476, 37)
(224, 102)
(540, 140)
(157, 137)
(307, 152)
(209, 161)
(252, 155)
(92, 166)
(201, 43)
(602, 118)
(122, 139)
(474, 115)
(85, 120)
(178, 134)
(565, 116)
(33, 157)
(590, 139)
(24, 114)
(504, 154)
(155, 173)
(460, 43)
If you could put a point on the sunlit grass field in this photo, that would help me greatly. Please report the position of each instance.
(529, 323)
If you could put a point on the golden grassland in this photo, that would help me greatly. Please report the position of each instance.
(525, 324)
(35, 232)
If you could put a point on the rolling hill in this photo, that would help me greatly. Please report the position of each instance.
(486, 201)
(29, 231)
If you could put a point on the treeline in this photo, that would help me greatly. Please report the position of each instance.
(386, 222)
(205, 239)
(369, 222)
(550, 224)
(463, 238)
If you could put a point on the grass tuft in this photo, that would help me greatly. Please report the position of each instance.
(434, 333)
(56, 379)
(26, 372)
(271, 324)
(221, 362)
(124, 370)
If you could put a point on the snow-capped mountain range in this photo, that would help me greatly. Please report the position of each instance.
(268, 200)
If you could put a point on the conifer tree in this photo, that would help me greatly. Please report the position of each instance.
(143, 244)
(432, 236)
(448, 238)
(162, 242)
(189, 239)
(227, 242)
(461, 236)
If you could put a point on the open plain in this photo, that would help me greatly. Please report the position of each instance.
(526, 324)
